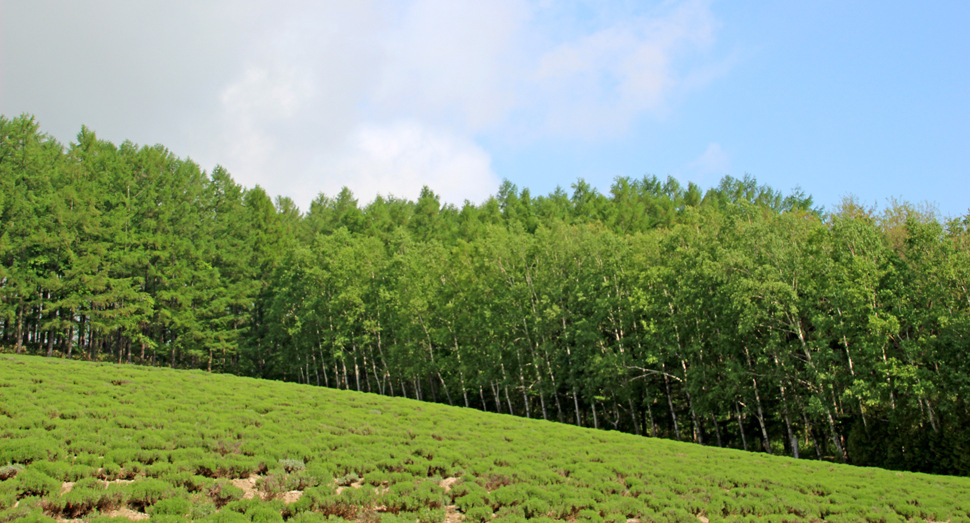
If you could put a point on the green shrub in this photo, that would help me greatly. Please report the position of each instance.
(403, 517)
(225, 516)
(472, 500)
(110, 471)
(272, 485)
(9, 471)
(23, 509)
(299, 481)
(588, 515)
(86, 495)
(167, 518)
(509, 516)
(308, 517)
(146, 492)
(292, 465)
(535, 507)
(507, 496)
(159, 469)
(188, 481)
(35, 483)
(33, 516)
(108, 519)
(28, 450)
(176, 506)
(348, 479)
(59, 470)
(479, 514)
(223, 492)
(265, 512)
(431, 515)
(203, 510)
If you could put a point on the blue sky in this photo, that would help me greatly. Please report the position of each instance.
(839, 98)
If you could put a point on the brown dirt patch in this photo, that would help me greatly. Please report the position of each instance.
(448, 482)
(127, 513)
(66, 487)
(452, 515)
(248, 486)
(292, 496)
(703, 519)
(357, 484)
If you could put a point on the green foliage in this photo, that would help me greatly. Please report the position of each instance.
(31, 482)
(513, 468)
(292, 465)
(9, 471)
(223, 492)
(176, 506)
(27, 450)
(146, 492)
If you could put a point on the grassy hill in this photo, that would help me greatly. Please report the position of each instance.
(97, 441)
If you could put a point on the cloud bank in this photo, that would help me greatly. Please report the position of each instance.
(382, 97)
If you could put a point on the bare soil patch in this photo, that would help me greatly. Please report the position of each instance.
(448, 482)
(127, 513)
(292, 496)
(248, 486)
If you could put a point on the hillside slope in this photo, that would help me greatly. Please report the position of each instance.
(90, 441)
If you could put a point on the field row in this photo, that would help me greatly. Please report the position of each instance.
(176, 444)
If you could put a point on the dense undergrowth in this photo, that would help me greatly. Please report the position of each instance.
(175, 445)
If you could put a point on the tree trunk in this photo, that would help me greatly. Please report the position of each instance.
(670, 403)
(633, 412)
(356, 369)
(445, 387)
(791, 435)
(20, 328)
(698, 433)
(744, 439)
(509, 400)
(717, 430)
(497, 394)
(761, 417)
(481, 396)
(70, 341)
(525, 399)
(835, 436)
(579, 423)
(653, 422)
(377, 377)
(811, 435)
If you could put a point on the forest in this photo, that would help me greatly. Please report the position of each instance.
(737, 316)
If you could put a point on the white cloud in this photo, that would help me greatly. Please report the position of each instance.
(453, 61)
(400, 158)
(302, 96)
(599, 83)
(714, 161)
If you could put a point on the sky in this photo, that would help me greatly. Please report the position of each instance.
(865, 99)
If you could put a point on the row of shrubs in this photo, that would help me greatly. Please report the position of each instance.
(170, 443)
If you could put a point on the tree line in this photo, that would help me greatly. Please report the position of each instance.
(737, 316)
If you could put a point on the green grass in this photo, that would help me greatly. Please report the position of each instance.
(174, 445)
